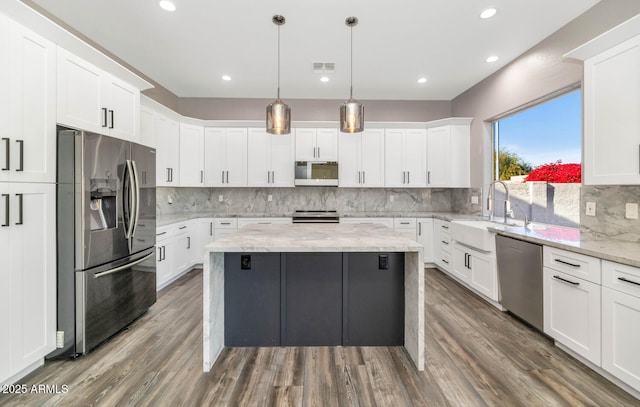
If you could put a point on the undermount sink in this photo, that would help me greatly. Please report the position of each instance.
(474, 233)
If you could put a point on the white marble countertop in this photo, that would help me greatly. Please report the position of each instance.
(307, 237)
(575, 241)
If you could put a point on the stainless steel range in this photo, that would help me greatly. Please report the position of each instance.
(315, 217)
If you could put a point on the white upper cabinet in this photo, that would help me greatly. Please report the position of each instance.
(404, 158)
(191, 155)
(167, 143)
(147, 134)
(27, 100)
(225, 152)
(91, 99)
(611, 92)
(362, 159)
(270, 159)
(448, 156)
(316, 144)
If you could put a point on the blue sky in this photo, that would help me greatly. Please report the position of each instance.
(546, 133)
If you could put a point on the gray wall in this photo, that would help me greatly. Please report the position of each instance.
(313, 110)
(537, 73)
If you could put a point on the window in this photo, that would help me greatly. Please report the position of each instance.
(538, 151)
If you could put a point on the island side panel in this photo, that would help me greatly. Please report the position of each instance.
(213, 292)
(414, 307)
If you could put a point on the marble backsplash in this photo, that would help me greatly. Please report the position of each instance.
(610, 220)
(285, 200)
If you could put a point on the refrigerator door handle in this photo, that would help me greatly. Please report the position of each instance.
(136, 198)
(130, 184)
(123, 267)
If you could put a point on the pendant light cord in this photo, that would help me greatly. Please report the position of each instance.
(278, 96)
(351, 80)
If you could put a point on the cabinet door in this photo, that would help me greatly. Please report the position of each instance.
(32, 281)
(611, 106)
(205, 235)
(147, 134)
(79, 94)
(306, 145)
(350, 174)
(439, 156)
(258, 158)
(426, 239)
(6, 333)
(182, 253)
(167, 265)
(460, 267)
(32, 139)
(621, 335)
(414, 153)
(236, 157)
(282, 160)
(215, 153)
(371, 157)
(327, 144)
(572, 313)
(460, 155)
(394, 171)
(167, 151)
(122, 102)
(191, 155)
(484, 274)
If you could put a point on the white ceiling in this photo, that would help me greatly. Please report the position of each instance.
(395, 43)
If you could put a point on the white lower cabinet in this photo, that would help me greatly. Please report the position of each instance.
(205, 234)
(176, 252)
(477, 269)
(621, 322)
(27, 276)
(442, 245)
(425, 238)
(572, 313)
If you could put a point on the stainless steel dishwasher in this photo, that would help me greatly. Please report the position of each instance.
(520, 278)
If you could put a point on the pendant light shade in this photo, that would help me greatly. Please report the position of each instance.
(351, 111)
(278, 112)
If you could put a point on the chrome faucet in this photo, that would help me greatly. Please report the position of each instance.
(527, 221)
(491, 197)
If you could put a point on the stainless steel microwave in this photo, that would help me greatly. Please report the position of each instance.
(318, 173)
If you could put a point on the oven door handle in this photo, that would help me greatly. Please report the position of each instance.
(123, 267)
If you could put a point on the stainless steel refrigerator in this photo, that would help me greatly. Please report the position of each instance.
(106, 221)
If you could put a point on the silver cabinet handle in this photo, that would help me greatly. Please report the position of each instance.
(188, 242)
(20, 219)
(164, 253)
(112, 121)
(420, 229)
(314, 152)
(359, 177)
(159, 258)
(566, 281)
(273, 177)
(445, 242)
(364, 177)
(225, 223)
(227, 177)
(161, 233)
(182, 227)
(268, 177)
(6, 210)
(318, 152)
(210, 228)
(408, 177)
(202, 177)
(223, 177)
(444, 227)
(104, 117)
(21, 165)
(428, 177)
(444, 261)
(405, 223)
(567, 263)
(7, 153)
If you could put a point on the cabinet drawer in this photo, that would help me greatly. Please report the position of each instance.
(226, 223)
(388, 222)
(621, 277)
(263, 221)
(445, 260)
(575, 264)
(404, 223)
(445, 242)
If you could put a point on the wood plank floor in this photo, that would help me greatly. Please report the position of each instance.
(476, 356)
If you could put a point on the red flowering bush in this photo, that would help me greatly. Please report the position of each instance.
(557, 173)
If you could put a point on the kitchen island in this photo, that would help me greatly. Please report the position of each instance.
(314, 240)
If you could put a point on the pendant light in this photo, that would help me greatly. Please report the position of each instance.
(351, 111)
(278, 112)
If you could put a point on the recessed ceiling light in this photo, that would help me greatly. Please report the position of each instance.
(167, 5)
(488, 13)
(492, 58)
(422, 80)
(324, 79)
(226, 78)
